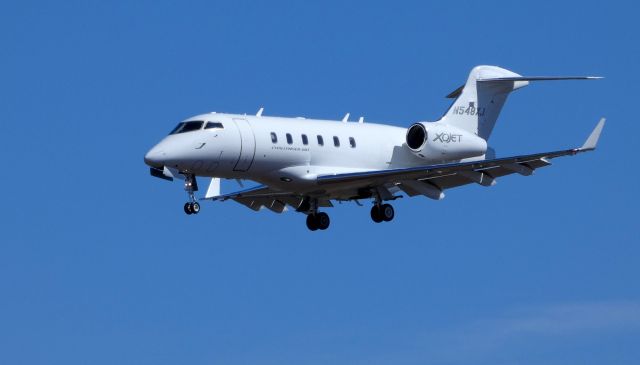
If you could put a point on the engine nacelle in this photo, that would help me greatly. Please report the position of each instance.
(437, 141)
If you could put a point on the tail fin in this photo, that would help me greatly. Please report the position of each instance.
(479, 102)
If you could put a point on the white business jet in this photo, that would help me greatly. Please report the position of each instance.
(307, 164)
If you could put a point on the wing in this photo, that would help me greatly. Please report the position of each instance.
(264, 196)
(431, 180)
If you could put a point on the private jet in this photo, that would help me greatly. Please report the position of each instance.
(309, 164)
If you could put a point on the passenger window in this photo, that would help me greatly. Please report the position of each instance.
(211, 125)
(336, 141)
(289, 139)
(352, 142)
(305, 140)
(320, 140)
(274, 137)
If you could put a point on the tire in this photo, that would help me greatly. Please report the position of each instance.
(187, 208)
(376, 214)
(312, 223)
(386, 212)
(323, 221)
(195, 207)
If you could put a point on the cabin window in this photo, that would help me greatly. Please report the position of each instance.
(305, 140)
(336, 141)
(352, 142)
(289, 138)
(274, 137)
(320, 141)
(211, 125)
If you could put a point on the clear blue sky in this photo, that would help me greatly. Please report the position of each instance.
(99, 265)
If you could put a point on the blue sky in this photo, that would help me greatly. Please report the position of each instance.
(98, 263)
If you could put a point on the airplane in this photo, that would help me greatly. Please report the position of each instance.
(308, 164)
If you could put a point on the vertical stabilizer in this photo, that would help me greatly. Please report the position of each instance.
(479, 102)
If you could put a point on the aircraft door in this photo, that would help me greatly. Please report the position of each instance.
(247, 145)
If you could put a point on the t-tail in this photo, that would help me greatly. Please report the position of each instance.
(479, 101)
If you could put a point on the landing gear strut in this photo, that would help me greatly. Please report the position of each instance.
(191, 186)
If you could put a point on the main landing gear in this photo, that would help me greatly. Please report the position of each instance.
(382, 212)
(317, 221)
(190, 186)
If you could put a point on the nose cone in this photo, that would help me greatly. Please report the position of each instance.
(155, 157)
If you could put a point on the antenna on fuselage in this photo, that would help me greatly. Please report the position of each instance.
(346, 118)
(361, 120)
(259, 113)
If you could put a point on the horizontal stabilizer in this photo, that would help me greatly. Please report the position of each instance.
(539, 78)
(455, 93)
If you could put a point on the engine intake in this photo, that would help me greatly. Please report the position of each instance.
(416, 136)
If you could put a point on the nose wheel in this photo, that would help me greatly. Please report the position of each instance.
(192, 208)
(382, 213)
(190, 186)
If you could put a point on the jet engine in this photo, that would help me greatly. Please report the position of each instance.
(438, 141)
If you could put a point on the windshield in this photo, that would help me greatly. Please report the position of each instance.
(211, 125)
(187, 127)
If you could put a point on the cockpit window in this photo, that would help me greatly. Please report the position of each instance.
(187, 127)
(211, 125)
(177, 128)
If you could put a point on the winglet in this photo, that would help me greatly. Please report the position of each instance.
(592, 141)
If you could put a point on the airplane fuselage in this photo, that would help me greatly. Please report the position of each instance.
(287, 153)
(308, 163)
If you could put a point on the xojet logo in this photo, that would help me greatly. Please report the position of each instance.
(445, 137)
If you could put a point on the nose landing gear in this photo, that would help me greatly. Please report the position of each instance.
(191, 186)
(192, 208)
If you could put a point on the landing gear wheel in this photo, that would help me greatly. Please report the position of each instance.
(312, 222)
(386, 212)
(191, 185)
(323, 221)
(376, 213)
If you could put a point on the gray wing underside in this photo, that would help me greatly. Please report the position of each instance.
(430, 180)
(263, 196)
